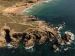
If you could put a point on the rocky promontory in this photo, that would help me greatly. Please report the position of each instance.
(16, 27)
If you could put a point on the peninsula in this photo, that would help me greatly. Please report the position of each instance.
(16, 27)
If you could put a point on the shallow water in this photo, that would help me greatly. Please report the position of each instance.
(56, 12)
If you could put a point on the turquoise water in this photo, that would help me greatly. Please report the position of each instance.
(55, 12)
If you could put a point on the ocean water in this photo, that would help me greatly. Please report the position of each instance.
(55, 12)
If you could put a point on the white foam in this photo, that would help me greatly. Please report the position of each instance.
(71, 34)
(9, 45)
(62, 43)
(65, 49)
(47, 1)
(61, 27)
(29, 47)
(68, 43)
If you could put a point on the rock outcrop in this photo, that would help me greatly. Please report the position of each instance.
(28, 29)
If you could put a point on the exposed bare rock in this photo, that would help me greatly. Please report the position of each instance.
(28, 29)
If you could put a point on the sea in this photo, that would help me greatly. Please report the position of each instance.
(54, 12)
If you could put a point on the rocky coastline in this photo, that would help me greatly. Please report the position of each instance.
(29, 30)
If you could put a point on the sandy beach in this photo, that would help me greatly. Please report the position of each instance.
(19, 9)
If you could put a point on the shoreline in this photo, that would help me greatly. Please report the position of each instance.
(38, 27)
(21, 8)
